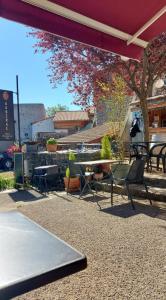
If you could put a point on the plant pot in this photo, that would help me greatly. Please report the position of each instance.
(106, 168)
(72, 184)
(98, 176)
(51, 147)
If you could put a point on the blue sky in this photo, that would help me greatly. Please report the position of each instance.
(17, 58)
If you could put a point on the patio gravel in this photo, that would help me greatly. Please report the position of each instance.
(125, 249)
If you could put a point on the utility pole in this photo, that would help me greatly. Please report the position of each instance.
(18, 111)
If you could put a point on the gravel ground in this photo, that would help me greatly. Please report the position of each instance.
(125, 249)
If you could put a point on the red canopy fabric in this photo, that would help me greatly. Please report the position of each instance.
(127, 16)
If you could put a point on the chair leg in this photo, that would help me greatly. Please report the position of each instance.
(164, 166)
(47, 185)
(82, 191)
(67, 191)
(112, 190)
(129, 196)
(146, 188)
(158, 163)
(147, 165)
(40, 186)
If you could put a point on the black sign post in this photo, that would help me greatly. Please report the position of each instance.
(18, 111)
(6, 116)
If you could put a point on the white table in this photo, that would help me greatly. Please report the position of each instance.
(45, 167)
(96, 162)
(92, 164)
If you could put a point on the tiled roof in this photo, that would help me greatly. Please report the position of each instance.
(89, 135)
(38, 121)
(71, 116)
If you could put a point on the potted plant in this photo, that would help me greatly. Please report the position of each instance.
(106, 152)
(71, 181)
(98, 172)
(51, 145)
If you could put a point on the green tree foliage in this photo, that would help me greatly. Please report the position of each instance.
(118, 104)
(53, 109)
(84, 67)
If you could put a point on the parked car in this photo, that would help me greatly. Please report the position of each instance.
(6, 161)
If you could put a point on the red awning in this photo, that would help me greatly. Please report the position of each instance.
(105, 24)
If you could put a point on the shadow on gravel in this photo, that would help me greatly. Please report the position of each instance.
(125, 210)
(26, 195)
(63, 196)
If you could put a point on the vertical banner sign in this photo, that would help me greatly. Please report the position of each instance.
(6, 115)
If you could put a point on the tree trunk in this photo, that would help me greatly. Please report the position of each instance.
(144, 108)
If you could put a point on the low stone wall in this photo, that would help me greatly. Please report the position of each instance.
(36, 159)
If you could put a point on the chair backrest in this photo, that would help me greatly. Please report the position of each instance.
(120, 171)
(136, 171)
(142, 149)
(74, 169)
(163, 150)
(157, 149)
(133, 150)
(52, 170)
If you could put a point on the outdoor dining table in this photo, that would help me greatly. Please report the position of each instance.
(96, 162)
(30, 256)
(49, 169)
(92, 164)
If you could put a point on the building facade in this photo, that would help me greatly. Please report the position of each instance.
(29, 113)
(62, 124)
(157, 116)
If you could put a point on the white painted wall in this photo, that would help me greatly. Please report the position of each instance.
(29, 113)
(46, 125)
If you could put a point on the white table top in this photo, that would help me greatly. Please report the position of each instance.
(96, 162)
(45, 167)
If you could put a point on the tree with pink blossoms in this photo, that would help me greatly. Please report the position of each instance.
(85, 68)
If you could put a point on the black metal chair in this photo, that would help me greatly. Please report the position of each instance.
(158, 152)
(133, 152)
(126, 175)
(44, 178)
(140, 151)
(162, 156)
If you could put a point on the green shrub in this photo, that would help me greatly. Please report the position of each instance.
(106, 152)
(71, 157)
(6, 183)
(51, 141)
(67, 172)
